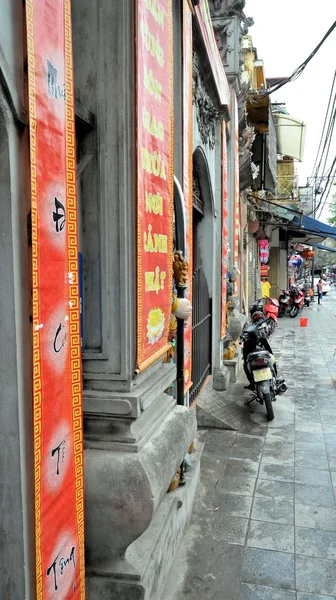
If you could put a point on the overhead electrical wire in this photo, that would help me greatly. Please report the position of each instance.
(299, 70)
(326, 191)
(329, 138)
(324, 125)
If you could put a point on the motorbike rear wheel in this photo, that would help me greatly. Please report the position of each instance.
(294, 312)
(282, 311)
(269, 407)
(271, 326)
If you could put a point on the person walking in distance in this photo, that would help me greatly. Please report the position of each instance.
(319, 286)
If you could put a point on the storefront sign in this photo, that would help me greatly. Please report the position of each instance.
(187, 175)
(236, 194)
(155, 164)
(58, 429)
(225, 229)
(214, 57)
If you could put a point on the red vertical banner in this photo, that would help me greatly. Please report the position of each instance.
(58, 428)
(187, 176)
(236, 193)
(225, 229)
(155, 177)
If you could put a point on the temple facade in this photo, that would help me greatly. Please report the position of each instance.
(162, 161)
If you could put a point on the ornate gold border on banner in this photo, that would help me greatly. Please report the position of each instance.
(37, 384)
(188, 386)
(224, 235)
(236, 219)
(188, 11)
(45, 538)
(74, 309)
(143, 363)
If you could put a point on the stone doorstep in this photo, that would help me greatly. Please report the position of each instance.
(148, 560)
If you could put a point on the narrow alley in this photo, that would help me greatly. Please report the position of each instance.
(264, 523)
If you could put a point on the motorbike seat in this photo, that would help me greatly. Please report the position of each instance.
(261, 354)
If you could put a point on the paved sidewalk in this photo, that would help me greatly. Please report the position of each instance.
(264, 523)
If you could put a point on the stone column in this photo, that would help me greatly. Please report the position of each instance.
(135, 435)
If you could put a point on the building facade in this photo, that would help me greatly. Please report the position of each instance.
(150, 79)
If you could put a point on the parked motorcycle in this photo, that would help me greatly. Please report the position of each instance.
(257, 310)
(260, 367)
(291, 301)
(271, 310)
(307, 296)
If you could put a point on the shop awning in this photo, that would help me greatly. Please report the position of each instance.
(308, 231)
(301, 229)
(323, 247)
(291, 135)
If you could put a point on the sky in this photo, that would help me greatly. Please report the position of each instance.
(284, 34)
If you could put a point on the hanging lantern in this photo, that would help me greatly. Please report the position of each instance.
(307, 254)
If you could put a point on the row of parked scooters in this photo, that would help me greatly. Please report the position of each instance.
(259, 362)
(291, 302)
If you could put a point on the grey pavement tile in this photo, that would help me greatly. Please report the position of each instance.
(212, 567)
(312, 461)
(280, 490)
(316, 575)
(314, 495)
(236, 484)
(330, 440)
(304, 596)
(213, 465)
(284, 414)
(313, 447)
(309, 427)
(278, 447)
(240, 451)
(218, 442)
(271, 536)
(304, 405)
(224, 528)
(327, 417)
(276, 472)
(308, 437)
(269, 568)
(314, 477)
(236, 506)
(278, 458)
(241, 467)
(309, 418)
(260, 592)
(286, 434)
(286, 403)
(315, 542)
(315, 517)
(333, 479)
(250, 441)
(273, 511)
(314, 451)
(329, 427)
(332, 462)
(279, 423)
